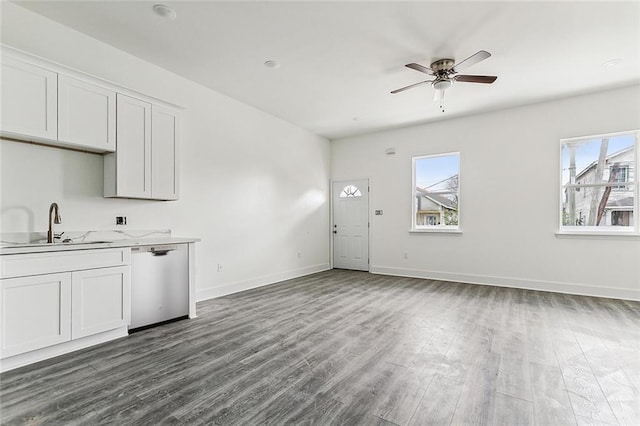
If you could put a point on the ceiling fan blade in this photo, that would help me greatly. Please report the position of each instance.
(402, 89)
(420, 68)
(471, 60)
(487, 79)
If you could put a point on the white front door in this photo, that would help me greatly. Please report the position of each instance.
(351, 224)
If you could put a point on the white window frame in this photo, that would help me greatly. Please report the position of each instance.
(455, 229)
(627, 231)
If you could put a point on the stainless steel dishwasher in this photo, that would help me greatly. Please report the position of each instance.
(159, 285)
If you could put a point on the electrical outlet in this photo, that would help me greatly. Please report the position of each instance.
(219, 267)
(405, 255)
(299, 255)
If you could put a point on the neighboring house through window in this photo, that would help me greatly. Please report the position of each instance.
(619, 173)
(603, 168)
(436, 192)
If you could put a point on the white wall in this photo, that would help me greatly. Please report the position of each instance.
(254, 188)
(509, 198)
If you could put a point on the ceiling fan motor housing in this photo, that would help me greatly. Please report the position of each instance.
(442, 65)
(442, 69)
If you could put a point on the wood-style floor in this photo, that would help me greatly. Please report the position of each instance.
(344, 347)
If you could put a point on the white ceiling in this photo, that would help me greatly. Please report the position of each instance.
(340, 60)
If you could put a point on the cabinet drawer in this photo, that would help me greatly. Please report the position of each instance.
(17, 265)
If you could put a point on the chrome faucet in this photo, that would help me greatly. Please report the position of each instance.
(53, 219)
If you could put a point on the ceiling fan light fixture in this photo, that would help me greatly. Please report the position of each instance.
(612, 63)
(273, 64)
(446, 71)
(442, 84)
(165, 11)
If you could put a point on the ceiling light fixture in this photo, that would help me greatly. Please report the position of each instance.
(272, 64)
(612, 63)
(442, 84)
(164, 11)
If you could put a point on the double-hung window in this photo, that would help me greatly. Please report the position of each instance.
(599, 191)
(436, 192)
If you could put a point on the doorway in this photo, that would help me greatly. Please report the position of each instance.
(351, 224)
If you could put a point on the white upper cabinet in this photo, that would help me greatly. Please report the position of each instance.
(54, 105)
(128, 171)
(86, 114)
(29, 100)
(145, 165)
(164, 153)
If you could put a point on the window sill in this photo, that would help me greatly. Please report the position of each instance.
(436, 231)
(598, 235)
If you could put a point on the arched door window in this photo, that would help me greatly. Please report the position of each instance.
(350, 191)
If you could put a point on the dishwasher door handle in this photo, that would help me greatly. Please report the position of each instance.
(161, 251)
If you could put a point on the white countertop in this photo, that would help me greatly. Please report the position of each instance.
(22, 248)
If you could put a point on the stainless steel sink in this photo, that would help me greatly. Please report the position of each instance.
(83, 242)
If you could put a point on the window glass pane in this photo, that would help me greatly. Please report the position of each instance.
(617, 208)
(350, 191)
(437, 190)
(598, 182)
(599, 160)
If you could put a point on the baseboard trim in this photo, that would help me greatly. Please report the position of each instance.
(213, 292)
(551, 286)
(37, 355)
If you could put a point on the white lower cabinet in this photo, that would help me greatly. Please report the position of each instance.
(36, 312)
(100, 300)
(56, 302)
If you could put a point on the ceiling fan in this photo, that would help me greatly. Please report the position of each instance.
(446, 71)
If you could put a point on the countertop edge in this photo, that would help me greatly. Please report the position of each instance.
(45, 248)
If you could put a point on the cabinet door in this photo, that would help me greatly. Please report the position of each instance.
(164, 153)
(133, 156)
(100, 300)
(35, 312)
(29, 100)
(86, 114)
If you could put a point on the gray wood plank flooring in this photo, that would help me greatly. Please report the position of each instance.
(346, 347)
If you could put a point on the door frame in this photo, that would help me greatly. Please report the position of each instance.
(331, 238)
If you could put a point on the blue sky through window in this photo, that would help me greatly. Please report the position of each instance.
(431, 170)
(588, 151)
